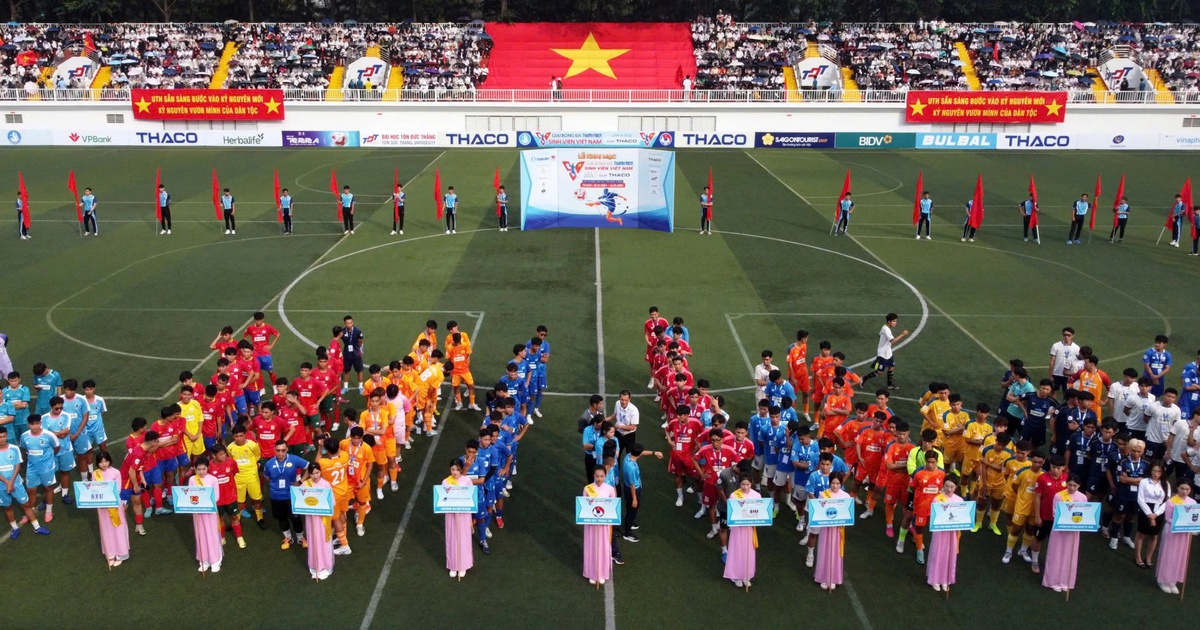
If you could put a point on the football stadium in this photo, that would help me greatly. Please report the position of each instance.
(859, 320)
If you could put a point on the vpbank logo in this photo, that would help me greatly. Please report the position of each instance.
(89, 138)
(14, 137)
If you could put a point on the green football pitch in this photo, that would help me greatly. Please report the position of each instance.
(132, 309)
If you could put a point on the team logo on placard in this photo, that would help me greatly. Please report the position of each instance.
(573, 168)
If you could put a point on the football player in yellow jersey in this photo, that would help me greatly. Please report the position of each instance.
(1012, 468)
(932, 412)
(954, 425)
(247, 455)
(358, 447)
(975, 434)
(463, 340)
(335, 466)
(429, 334)
(1024, 487)
(429, 382)
(377, 421)
(420, 355)
(193, 417)
(376, 380)
(992, 460)
(458, 353)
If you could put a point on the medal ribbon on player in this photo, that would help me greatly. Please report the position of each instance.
(1117, 199)
(75, 191)
(917, 200)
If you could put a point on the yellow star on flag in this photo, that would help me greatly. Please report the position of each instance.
(918, 108)
(272, 106)
(590, 56)
(143, 105)
(1053, 109)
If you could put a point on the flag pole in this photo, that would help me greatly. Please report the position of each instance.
(1160, 234)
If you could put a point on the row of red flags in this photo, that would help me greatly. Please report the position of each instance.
(976, 217)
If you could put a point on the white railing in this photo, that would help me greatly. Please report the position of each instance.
(581, 96)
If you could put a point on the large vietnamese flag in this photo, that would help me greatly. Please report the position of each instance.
(595, 55)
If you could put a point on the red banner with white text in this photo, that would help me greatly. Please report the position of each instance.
(950, 106)
(207, 104)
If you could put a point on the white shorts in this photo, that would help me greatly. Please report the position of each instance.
(781, 478)
(799, 496)
(758, 462)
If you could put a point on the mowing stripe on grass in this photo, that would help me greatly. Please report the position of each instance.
(885, 265)
(610, 596)
(384, 573)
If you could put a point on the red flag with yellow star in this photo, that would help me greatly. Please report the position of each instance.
(596, 55)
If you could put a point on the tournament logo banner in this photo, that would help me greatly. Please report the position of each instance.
(228, 104)
(597, 139)
(602, 188)
(947, 106)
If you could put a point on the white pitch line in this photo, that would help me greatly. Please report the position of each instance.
(741, 347)
(384, 573)
(887, 266)
(610, 595)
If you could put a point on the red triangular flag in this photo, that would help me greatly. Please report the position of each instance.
(75, 191)
(496, 186)
(1117, 199)
(1033, 216)
(976, 218)
(1186, 193)
(278, 194)
(708, 210)
(395, 198)
(24, 200)
(1188, 208)
(1095, 206)
(837, 212)
(157, 183)
(333, 188)
(217, 196)
(437, 191)
(917, 202)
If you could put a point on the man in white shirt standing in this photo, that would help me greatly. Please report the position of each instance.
(762, 374)
(1063, 355)
(1119, 393)
(1160, 419)
(884, 361)
(1177, 444)
(1138, 408)
(625, 419)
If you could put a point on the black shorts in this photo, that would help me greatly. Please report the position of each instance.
(229, 509)
(1125, 505)
(352, 362)
(1154, 450)
(1043, 531)
(908, 503)
(1097, 487)
(882, 364)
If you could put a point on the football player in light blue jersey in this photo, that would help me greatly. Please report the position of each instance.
(542, 357)
(41, 451)
(75, 408)
(59, 423)
(347, 199)
(88, 204)
(12, 488)
(96, 408)
(502, 208)
(16, 395)
(48, 384)
(925, 207)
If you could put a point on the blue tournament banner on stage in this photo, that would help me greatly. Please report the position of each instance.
(312, 500)
(749, 512)
(1076, 517)
(597, 510)
(1186, 519)
(96, 494)
(952, 517)
(596, 139)
(834, 512)
(455, 499)
(598, 188)
(194, 499)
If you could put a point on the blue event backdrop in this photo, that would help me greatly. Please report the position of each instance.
(598, 188)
